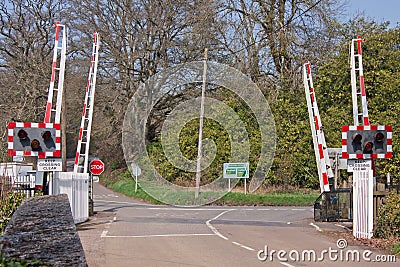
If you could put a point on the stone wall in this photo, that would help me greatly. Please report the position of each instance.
(43, 229)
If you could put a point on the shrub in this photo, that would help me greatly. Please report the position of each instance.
(4, 261)
(388, 221)
(396, 248)
(9, 202)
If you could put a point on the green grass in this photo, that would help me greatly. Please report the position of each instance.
(127, 187)
(396, 248)
(269, 199)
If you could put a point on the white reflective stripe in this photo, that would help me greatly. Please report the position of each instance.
(326, 187)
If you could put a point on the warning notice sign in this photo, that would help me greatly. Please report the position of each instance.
(46, 165)
(358, 165)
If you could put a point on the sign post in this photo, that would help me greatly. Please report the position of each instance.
(136, 171)
(96, 167)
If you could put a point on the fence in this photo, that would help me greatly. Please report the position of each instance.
(18, 177)
(363, 221)
(337, 205)
(76, 186)
(24, 184)
(334, 206)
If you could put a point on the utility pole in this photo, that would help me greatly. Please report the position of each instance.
(199, 152)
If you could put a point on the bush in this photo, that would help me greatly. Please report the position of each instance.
(388, 221)
(396, 248)
(4, 261)
(9, 202)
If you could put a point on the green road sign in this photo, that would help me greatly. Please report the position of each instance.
(236, 170)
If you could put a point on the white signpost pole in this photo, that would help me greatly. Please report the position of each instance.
(136, 182)
(136, 171)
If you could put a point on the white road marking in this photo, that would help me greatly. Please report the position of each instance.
(260, 221)
(104, 234)
(342, 226)
(160, 235)
(286, 264)
(107, 226)
(221, 235)
(189, 209)
(316, 227)
(122, 202)
(243, 246)
(105, 196)
(215, 231)
(151, 207)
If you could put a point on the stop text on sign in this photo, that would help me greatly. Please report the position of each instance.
(97, 167)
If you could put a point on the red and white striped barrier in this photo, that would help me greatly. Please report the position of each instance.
(323, 164)
(82, 150)
(54, 69)
(358, 66)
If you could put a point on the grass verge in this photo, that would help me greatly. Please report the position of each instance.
(127, 187)
(396, 248)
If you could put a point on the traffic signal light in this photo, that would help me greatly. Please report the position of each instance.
(34, 139)
(364, 142)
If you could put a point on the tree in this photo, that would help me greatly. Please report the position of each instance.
(381, 68)
(26, 36)
(275, 37)
(143, 38)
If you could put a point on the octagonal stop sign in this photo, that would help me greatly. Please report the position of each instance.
(96, 167)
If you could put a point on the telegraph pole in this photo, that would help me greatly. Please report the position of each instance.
(199, 152)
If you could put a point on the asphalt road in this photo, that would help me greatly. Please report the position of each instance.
(126, 232)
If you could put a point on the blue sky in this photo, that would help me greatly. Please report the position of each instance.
(379, 10)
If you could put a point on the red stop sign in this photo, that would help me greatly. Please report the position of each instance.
(96, 167)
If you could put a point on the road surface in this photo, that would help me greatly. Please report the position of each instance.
(126, 232)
